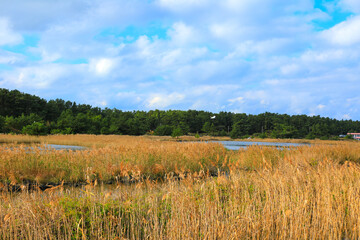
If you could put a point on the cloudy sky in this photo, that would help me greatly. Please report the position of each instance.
(252, 56)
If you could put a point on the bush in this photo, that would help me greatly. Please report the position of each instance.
(2, 123)
(163, 130)
(349, 137)
(177, 132)
(55, 131)
(36, 128)
(310, 136)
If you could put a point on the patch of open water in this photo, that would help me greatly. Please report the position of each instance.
(63, 147)
(47, 147)
(236, 145)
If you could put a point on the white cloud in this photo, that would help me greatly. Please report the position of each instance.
(350, 5)
(327, 55)
(242, 6)
(41, 76)
(320, 106)
(346, 116)
(40, 14)
(7, 35)
(289, 69)
(10, 58)
(273, 82)
(181, 34)
(161, 101)
(132, 97)
(182, 5)
(48, 56)
(238, 100)
(249, 56)
(345, 33)
(102, 66)
(224, 30)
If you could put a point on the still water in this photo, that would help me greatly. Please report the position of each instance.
(236, 145)
(63, 147)
(231, 145)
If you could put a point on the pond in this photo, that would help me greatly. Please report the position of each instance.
(231, 145)
(63, 147)
(236, 145)
(52, 147)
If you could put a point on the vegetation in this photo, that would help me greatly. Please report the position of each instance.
(152, 187)
(28, 114)
(179, 190)
(117, 159)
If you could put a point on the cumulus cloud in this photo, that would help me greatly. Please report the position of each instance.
(41, 14)
(289, 69)
(161, 101)
(243, 56)
(182, 5)
(350, 5)
(239, 100)
(10, 58)
(345, 33)
(7, 35)
(346, 116)
(102, 66)
(182, 34)
(41, 76)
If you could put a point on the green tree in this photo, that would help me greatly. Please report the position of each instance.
(209, 128)
(36, 128)
(163, 130)
(283, 131)
(16, 124)
(66, 120)
(2, 123)
(177, 132)
(241, 128)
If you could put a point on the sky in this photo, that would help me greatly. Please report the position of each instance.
(243, 56)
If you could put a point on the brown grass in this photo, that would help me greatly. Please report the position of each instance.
(261, 193)
(112, 158)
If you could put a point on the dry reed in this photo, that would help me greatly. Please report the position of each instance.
(309, 192)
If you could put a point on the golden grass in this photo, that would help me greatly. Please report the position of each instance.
(104, 140)
(126, 158)
(309, 192)
(121, 158)
(294, 201)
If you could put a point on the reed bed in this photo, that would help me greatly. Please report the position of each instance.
(104, 140)
(131, 159)
(182, 191)
(21, 164)
(297, 200)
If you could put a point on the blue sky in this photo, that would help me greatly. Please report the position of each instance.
(252, 56)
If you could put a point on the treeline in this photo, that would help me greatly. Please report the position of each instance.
(29, 114)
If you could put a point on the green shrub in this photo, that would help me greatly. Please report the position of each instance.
(163, 130)
(36, 128)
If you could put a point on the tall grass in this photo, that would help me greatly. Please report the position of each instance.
(125, 158)
(309, 192)
(294, 201)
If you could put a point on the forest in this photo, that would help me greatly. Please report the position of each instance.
(23, 113)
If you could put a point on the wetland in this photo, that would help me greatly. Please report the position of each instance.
(178, 190)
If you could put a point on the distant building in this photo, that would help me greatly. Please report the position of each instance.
(355, 135)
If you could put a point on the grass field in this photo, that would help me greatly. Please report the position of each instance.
(169, 190)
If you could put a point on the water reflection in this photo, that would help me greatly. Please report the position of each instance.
(47, 147)
(63, 147)
(236, 145)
